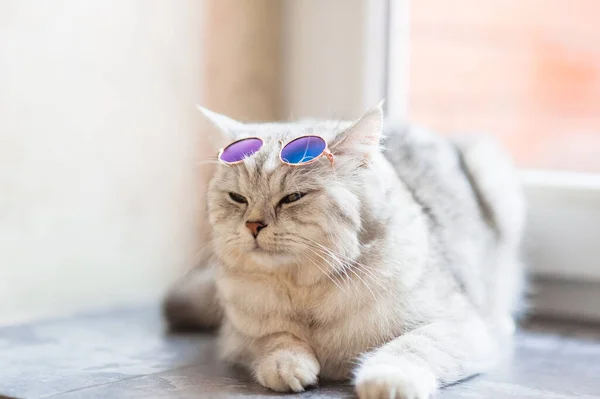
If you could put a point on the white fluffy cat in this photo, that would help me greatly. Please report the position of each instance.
(397, 267)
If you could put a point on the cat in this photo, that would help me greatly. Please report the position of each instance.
(397, 267)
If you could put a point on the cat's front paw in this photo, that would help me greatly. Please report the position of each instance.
(285, 371)
(401, 381)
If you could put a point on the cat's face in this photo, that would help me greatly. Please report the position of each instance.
(276, 215)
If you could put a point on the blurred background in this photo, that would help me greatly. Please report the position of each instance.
(101, 179)
(528, 71)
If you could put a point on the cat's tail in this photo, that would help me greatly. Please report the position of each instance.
(496, 182)
(192, 303)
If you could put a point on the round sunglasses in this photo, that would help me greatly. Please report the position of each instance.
(299, 151)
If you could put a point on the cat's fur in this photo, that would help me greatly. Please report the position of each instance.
(398, 269)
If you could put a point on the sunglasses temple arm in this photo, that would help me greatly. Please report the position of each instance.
(329, 156)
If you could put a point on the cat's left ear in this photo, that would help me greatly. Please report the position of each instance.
(362, 138)
(219, 130)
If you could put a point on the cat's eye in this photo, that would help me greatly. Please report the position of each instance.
(293, 197)
(240, 199)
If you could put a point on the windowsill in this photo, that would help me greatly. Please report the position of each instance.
(561, 179)
(563, 232)
(562, 243)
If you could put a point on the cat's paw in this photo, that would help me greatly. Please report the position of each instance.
(285, 371)
(391, 381)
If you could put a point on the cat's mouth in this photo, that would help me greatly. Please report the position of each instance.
(257, 248)
(270, 258)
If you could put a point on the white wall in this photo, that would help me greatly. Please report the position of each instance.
(97, 162)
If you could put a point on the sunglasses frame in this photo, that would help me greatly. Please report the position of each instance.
(325, 151)
(234, 142)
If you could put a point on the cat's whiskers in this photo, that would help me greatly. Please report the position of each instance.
(347, 263)
(324, 272)
(203, 163)
(211, 160)
(368, 272)
(340, 267)
(200, 252)
(230, 239)
(333, 268)
(345, 267)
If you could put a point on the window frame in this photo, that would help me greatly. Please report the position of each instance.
(562, 240)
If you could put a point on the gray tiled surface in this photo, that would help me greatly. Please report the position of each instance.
(125, 354)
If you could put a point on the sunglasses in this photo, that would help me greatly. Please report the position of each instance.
(300, 151)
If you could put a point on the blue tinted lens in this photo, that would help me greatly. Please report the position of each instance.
(303, 149)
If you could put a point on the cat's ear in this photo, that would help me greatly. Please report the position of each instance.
(219, 130)
(362, 138)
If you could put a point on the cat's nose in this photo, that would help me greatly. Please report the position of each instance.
(255, 227)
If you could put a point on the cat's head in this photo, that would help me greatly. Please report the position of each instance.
(307, 215)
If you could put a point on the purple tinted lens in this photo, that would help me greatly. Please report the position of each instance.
(303, 149)
(241, 149)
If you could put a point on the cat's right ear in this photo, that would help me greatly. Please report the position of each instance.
(219, 130)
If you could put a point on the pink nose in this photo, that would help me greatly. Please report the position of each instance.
(255, 227)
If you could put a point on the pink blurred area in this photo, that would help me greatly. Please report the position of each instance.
(525, 70)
